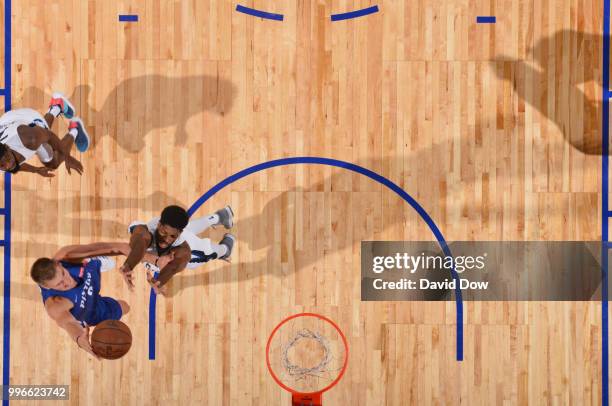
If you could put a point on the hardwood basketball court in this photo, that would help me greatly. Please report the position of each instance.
(493, 128)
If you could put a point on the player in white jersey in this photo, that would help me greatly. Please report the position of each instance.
(25, 133)
(170, 243)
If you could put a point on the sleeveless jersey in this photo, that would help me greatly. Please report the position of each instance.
(11, 120)
(201, 250)
(85, 294)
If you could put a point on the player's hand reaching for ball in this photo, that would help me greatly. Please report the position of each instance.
(164, 260)
(128, 276)
(83, 342)
(155, 285)
(73, 163)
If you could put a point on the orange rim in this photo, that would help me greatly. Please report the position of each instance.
(335, 381)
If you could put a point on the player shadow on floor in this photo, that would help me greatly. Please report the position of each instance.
(175, 100)
(103, 228)
(25, 291)
(575, 113)
(279, 209)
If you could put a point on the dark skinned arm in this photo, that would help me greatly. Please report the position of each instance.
(41, 170)
(80, 252)
(139, 241)
(182, 255)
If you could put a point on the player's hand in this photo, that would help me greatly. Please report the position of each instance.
(45, 172)
(128, 276)
(73, 163)
(165, 260)
(83, 343)
(155, 285)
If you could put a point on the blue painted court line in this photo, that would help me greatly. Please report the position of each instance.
(372, 175)
(152, 316)
(486, 20)
(354, 14)
(605, 146)
(128, 17)
(259, 13)
(6, 319)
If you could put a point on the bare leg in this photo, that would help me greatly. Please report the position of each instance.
(49, 119)
(59, 157)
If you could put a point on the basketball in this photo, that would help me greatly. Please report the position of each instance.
(111, 339)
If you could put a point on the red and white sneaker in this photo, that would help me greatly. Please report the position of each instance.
(66, 108)
(82, 139)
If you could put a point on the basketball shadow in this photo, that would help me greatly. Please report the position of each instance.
(149, 102)
(576, 113)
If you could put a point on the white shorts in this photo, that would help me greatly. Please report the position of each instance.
(201, 250)
(45, 153)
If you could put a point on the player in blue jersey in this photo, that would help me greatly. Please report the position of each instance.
(70, 288)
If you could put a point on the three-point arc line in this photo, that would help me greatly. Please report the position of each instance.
(340, 164)
(354, 14)
(259, 13)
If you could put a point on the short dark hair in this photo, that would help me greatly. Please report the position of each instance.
(42, 270)
(174, 216)
(3, 151)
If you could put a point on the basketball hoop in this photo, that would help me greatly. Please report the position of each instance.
(307, 355)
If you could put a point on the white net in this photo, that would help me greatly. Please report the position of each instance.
(307, 354)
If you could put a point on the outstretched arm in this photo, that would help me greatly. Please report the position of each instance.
(139, 241)
(58, 309)
(78, 252)
(41, 170)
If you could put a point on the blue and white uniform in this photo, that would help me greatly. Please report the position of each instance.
(202, 249)
(88, 306)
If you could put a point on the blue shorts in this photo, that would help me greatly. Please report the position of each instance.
(107, 308)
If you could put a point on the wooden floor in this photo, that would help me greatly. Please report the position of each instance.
(494, 129)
